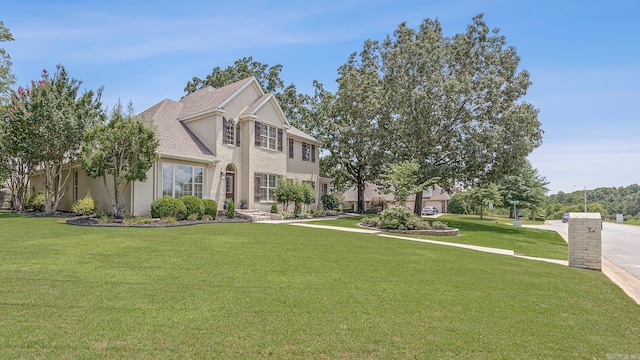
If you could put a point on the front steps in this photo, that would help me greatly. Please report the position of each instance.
(257, 215)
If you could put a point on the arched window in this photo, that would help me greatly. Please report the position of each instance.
(228, 131)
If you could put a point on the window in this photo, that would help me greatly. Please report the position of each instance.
(268, 184)
(228, 131)
(181, 180)
(75, 186)
(324, 189)
(290, 148)
(306, 152)
(269, 137)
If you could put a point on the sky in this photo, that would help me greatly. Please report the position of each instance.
(583, 57)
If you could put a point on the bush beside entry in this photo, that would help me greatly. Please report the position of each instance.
(210, 208)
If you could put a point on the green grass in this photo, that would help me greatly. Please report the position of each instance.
(473, 231)
(263, 290)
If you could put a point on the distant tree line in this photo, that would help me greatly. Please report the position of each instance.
(606, 200)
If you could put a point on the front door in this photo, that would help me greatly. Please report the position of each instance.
(230, 186)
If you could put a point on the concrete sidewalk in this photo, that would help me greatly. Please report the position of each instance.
(443, 243)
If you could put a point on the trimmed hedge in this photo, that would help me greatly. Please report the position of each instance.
(210, 208)
(194, 206)
(166, 207)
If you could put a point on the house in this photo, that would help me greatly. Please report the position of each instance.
(433, 196)
(374, 196)
(232, 142)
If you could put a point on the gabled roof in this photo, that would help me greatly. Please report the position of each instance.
(209, 98)
(371, 191)
(174, 137)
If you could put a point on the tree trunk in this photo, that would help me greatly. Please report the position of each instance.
(417, 205)
(481, 211)
(360, 186)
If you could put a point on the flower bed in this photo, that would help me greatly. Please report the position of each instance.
(403, 221)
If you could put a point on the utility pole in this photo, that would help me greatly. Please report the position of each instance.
(585, 195)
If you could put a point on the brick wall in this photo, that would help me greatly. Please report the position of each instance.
(585, 240)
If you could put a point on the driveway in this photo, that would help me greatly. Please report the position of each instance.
(620, 243)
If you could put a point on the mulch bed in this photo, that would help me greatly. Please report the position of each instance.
(96, 221)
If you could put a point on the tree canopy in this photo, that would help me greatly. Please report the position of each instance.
(7, 79)
(124, 148)
(45, 126)
(454, 103)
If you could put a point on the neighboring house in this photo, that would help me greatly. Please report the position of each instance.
(231, 142)
(373, 196)
(434, 196)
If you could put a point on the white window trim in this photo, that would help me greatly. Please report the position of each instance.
(173, 179)
(271, 191)
(264, 139)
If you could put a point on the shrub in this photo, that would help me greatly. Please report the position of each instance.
(192, 217)
(439, 225)
(457, 204)
(400, 218)
(231, 209)
(329, 202)
(206, 217)
(168, 207)
(85, 206)
(210, 208)
(35, 201)
(274, 208)
(194, 206)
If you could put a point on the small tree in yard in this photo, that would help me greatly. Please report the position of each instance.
(124, 148)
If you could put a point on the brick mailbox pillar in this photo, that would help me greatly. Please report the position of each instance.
(585, 240)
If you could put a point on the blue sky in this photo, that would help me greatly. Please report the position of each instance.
(582, 56)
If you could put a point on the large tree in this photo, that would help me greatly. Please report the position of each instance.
(52, 118)
(7, 79)
(454, 103)
(124, 150)
(348, 123)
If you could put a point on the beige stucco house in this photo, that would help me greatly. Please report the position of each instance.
(373, 196)
(231, 142)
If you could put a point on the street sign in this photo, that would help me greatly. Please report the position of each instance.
(514, 202)
(491, 206)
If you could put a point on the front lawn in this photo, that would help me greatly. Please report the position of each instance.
(473, 231)
(279, 291)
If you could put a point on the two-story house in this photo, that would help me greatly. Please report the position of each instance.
(231, 142)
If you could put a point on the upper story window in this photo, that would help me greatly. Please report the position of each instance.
(230, 132)
(181, 180)
(306, 152)
(269, 137)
